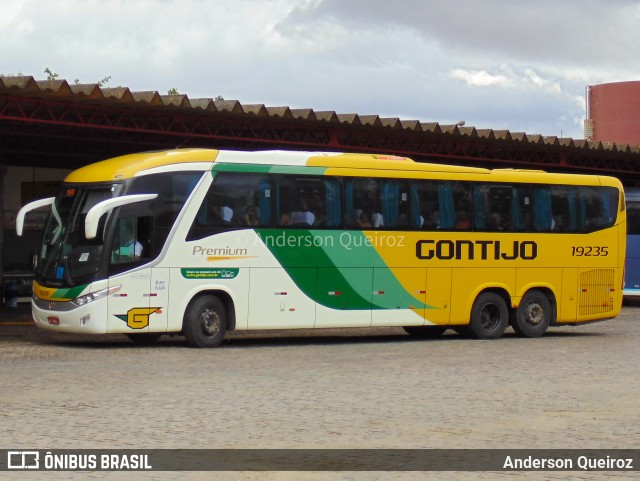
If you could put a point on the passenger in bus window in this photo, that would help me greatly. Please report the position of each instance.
(495, 220)
(377, 220)
(434, 220)
(363, 218)
(285, 219)
(226, 213)
(463, 222)
(558, 223)
(217, 216)
(213, 218)
(303, 216)
(319, 209)
(251, 215)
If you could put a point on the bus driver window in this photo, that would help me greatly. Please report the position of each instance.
(128, 248)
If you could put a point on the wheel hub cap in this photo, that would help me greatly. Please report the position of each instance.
(210, 322)
(534, 314)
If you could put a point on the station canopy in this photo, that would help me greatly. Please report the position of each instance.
(54, 123)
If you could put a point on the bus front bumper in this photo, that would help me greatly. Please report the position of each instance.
(65, 316)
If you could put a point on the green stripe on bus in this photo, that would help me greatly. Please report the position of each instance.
(266, 169)
(294, 169)
(70, 293)
(343, 277)
(253, 168)
(311, 269)
(366, 254)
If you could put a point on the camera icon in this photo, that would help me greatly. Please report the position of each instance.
(23, 460)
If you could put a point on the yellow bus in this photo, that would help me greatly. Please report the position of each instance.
(200, 242)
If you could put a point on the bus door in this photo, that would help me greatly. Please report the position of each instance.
(134, 307)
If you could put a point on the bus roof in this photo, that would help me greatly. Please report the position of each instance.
(330, 163)
(130, 165)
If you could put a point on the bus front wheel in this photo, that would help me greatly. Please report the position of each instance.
(533, 315)
(489, 316)
(205, 321)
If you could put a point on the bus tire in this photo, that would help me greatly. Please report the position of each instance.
(425, 332)
(145, 338)
(205, 321)
(533, 316)
(489, 316)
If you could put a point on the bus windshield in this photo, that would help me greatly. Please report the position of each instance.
(66, 256)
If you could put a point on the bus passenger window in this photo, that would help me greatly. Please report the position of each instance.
(308, 201)
(234, 200)
(331, 214)
(494, 208)
(597, 206)
(395, 204)
(564, 209)
(454, 200)
(425, 214)
(520, 208)
(363, 203)
(542, 219)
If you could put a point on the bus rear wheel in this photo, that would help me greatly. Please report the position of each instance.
(425, 332)
(205, 321)
(533, 315)
(489, 316)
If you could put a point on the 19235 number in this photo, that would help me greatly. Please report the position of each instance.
(589, 251)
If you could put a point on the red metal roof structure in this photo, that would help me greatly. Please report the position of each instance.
(53, 123)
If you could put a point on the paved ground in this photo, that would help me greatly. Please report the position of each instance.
(574, 388)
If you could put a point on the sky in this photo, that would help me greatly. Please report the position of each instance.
(496, 64)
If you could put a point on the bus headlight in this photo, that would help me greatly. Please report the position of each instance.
(93, 296)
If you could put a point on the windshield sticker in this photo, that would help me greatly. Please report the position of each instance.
(84, 257)
(59, 272)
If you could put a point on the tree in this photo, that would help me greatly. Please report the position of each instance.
(51, 75)
(174, 91)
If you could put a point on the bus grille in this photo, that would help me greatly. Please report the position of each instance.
(596, 291)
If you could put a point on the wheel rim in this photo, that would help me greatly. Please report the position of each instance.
(209, 322)
(534, 314)
(490, 317)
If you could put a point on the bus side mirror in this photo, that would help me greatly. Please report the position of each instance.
(28, 208)
(94, 214)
